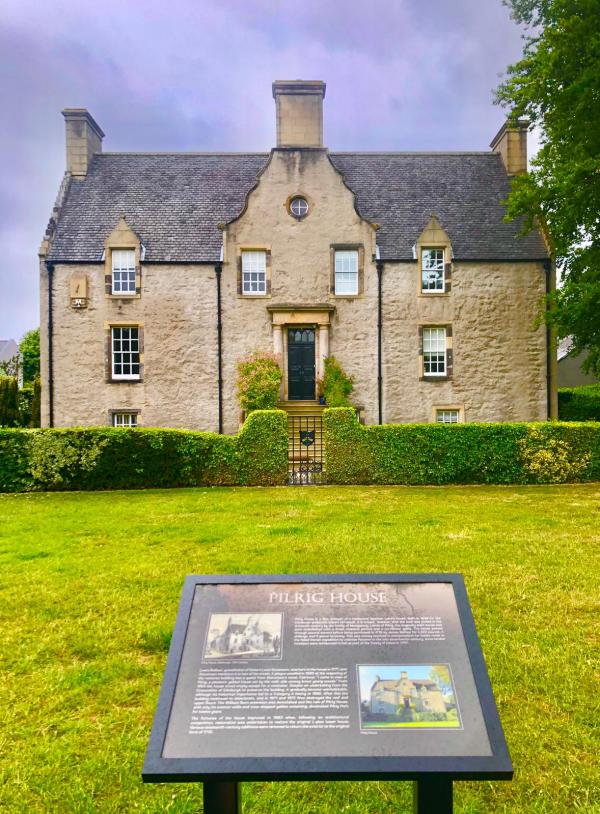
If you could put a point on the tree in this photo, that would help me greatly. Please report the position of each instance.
(9, 402)
(29, 348)
(556, 85)
(440, 674)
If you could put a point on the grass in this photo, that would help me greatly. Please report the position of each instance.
(89, 586)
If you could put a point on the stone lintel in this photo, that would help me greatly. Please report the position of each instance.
(301, 314)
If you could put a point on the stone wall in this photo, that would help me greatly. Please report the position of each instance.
(301, 268)
(177, 310)
(499, 371)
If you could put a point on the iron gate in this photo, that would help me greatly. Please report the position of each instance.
(305, 450)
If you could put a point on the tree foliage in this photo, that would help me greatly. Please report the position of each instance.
(556, 85)
(336, 385)
(9, 402)
(29, 348)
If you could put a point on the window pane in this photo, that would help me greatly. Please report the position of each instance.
(124, 420)
(125, 353)
(123, 271)
(254, 272)
(346, 272)
(434, 351)
(447, 416)
(432, 269)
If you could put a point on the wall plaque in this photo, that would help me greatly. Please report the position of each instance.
(325, 677)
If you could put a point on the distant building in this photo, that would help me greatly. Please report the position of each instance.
(160, 271)
(8, 350)
(568, 369)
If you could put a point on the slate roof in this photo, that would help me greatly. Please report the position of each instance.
(393, 684)
(176, 201)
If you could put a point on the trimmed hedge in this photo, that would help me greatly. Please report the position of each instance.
(579, 403)
(435, 454)
(111, 458)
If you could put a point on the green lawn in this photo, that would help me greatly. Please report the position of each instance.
(89, 591)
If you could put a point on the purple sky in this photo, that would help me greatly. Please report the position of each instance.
(196, 75)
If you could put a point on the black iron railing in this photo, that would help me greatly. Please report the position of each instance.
(305, 450)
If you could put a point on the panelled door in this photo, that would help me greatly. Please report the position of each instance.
(301, 364)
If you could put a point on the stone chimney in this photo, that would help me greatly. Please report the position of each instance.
(511, 143)
(299, 106)
(84, 140)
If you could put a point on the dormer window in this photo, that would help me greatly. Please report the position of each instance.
(123, 272)
(432, 271)
(433, 253)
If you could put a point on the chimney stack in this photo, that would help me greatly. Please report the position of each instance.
(299, 105)
(511, 143)
(84, 140)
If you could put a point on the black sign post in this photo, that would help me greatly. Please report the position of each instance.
(326, 677)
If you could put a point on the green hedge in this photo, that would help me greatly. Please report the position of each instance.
(110, 458)
(549, 452)
(579, 403)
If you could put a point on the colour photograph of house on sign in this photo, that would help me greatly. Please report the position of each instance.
(407, 696)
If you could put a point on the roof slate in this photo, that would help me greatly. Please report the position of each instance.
(176, 201)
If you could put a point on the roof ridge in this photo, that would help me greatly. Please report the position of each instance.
(181, 153)
(267, 152)
(414, 152)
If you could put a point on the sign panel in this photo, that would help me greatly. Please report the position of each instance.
(325, 676)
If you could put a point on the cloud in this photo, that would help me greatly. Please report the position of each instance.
(188, 75)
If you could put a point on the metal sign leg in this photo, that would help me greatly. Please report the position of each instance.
(222, 798)
(432, 796)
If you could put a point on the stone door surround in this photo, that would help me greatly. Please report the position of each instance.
(288, 315)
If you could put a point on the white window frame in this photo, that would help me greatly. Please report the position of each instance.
(123, 278)
(130, 357)
(447, 415)
(436, 266)
(254, 271)
(124, 419)
(346, 263)
(303, 207)
(435, 344)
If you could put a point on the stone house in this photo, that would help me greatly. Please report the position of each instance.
(568, 368)
(159, 272)
(393, 696)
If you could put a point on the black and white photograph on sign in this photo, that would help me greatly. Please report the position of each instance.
(244, 636)
(407, 696)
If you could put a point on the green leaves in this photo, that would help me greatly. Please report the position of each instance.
(112, 458)
(579, 403)
(437, 454)
(259, 380)
(557, 86)
(336, 385)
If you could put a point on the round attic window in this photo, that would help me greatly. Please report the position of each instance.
(299, 207)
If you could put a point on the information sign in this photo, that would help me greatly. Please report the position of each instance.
(325, 677)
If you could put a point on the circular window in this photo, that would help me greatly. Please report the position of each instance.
(299, 207)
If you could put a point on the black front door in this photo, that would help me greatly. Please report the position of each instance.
(301, 364)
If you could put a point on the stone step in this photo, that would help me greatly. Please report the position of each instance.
(301, 407)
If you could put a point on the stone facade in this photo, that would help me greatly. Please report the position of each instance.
(178, 387)
(498, 355)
